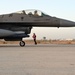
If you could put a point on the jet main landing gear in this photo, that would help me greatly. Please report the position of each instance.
(22, 43)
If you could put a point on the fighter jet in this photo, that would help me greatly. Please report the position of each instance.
(18, 25)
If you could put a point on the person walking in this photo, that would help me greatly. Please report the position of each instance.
(34, 37)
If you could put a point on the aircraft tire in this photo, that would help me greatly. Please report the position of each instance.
(22, 43)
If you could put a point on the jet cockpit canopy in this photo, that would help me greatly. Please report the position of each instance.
(31, 12)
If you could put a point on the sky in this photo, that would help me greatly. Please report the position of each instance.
(59, 8)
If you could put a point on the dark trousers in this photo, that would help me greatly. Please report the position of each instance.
(35, 41)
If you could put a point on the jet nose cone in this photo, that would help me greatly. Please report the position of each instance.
(66, 23)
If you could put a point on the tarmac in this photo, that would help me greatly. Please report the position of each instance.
(49, 59)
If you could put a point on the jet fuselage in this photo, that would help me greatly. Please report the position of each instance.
(16, 26)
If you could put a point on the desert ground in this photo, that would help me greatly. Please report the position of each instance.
(40, 42)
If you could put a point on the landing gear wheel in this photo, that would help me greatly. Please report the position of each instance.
(22, 43)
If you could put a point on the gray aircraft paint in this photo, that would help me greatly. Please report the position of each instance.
(9, 33)
(19, 24)
(4, 32)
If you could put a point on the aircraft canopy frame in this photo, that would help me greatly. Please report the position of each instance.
(31, 12)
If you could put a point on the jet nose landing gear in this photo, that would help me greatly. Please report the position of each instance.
(22, 43)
